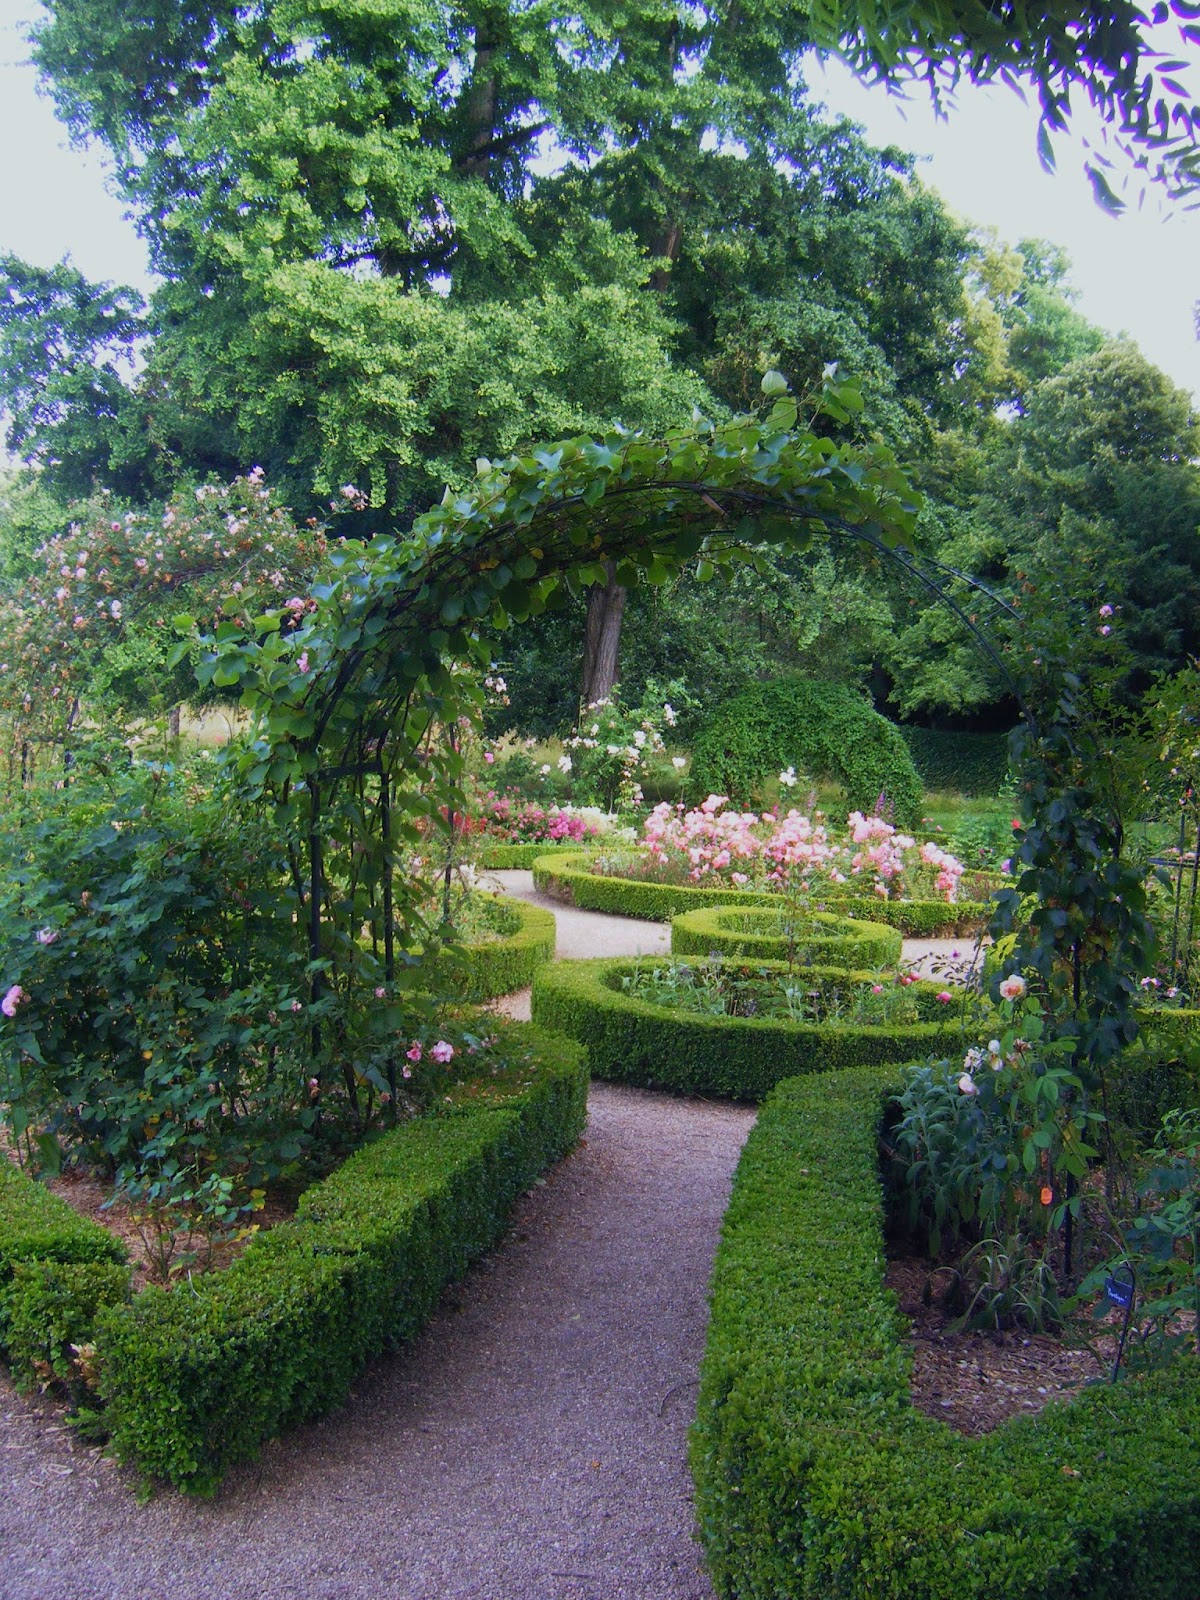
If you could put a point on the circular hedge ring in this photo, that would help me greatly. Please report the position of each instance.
(498, 966)
(760, 934)
(634, 1041)
(568, 877)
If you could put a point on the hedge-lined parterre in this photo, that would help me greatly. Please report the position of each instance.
(525, 942)
(568, 877)
(631, 1040)
(815, 1474)
(769, 933)
(198, 1378)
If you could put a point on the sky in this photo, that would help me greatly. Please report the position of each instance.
(1138, 273)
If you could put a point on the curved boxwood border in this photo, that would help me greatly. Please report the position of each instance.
(566, 877)
(741, 1058)
(816, 1476)
(519, 857)
(482, 971)
(823, 937)
(198, 1378)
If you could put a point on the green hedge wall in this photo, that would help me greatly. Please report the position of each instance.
(824, 729)
(817, 1479)
(567, 878)
(971, 763)
(197, 1378)
(480, 971)
(630, 1040)
(518, 857)
(757, 934)
(36, 1226)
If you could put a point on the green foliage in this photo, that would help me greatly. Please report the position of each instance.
(815, 1474)
(197, 1379)
(52, 1312)
(37, 1227)
(630, 1040)
(970, 763)
(525, 942)
(823, 729)
(774, 934)
(566, 877)
(518, 857)
(145, 923)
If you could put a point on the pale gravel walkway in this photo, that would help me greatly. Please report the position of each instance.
(531, 1445)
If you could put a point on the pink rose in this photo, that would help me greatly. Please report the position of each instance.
(12, 1000)
(945, 997)
(442, 1052)
(413, 1053)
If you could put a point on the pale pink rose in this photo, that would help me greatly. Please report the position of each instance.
(442, 1052)
(380, 992)
(46, 935)
(302, 663)
(945, 997)
(1106, 611)
(12, 1000)
(1013, 987)
(413, 1052)
(967, 1084)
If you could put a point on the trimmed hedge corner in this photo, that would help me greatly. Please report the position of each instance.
(198, 1378)
(482, 971)
(567, 877)
(758, 935)
(740, 1058)
(36, 1226)
(815, 1474)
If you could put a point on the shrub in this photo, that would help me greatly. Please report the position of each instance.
(53, 1306)
(517, 857)
(630, 1040)
(816, 1476)
(762, 934)
(36, 1226)
(479, 971)
(196, 1379)
(825, 729)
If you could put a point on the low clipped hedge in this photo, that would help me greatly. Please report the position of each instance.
(567, 877)
(630, 1040)
(37, 1227)
(817, 1477)
(198, 1378)
(758, 934)
(518, 857)
(481, 971)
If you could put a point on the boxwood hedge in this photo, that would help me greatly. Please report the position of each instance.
(198, 1377)
(816, 1477)
(36, 1226)
(567, 877)
(479, 971)
(758, 934)
(518, 857)
(630, 1040)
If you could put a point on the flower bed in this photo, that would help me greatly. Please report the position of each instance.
(630, 1040)
(815, 1475)
(198, 1378)
(759, 935)
(569, 877)
(524, 942)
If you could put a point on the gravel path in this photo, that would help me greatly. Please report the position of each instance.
(531, 1445)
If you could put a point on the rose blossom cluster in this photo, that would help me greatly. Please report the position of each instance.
(794, 851)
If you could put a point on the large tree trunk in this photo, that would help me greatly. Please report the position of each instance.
(602, 638)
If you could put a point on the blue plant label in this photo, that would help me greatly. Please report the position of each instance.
(1119, 1291)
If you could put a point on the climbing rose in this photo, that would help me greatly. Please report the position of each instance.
(1014, 987)
(442, 1052)
(413, 1052)
(46, 935)
(12, 1000)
